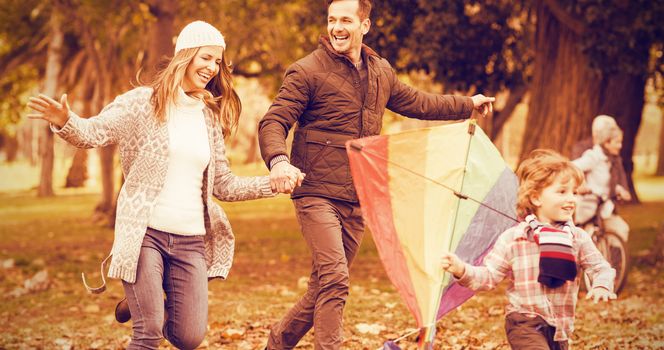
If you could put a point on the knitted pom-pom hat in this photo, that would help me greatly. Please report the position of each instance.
(197, 34)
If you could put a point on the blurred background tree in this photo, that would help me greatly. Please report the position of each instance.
(592, 57)
(575, 59)
(467, 46)
(23, 40)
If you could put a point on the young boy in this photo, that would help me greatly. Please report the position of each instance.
(540, 256)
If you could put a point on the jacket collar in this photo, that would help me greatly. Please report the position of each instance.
(324, 42)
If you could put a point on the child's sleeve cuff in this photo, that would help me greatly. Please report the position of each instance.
(466, 278)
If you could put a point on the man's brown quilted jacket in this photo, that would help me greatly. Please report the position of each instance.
(322, 94)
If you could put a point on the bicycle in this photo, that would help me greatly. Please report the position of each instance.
(610, 244)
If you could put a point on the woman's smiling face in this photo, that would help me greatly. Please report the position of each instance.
(202, 68)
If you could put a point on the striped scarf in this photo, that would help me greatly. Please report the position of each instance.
(557, 263)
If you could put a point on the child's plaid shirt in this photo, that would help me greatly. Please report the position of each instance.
(516, 257)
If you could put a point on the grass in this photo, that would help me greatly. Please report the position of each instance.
(272, 262)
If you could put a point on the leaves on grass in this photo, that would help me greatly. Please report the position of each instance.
(92, 309)
(7, 263)
(37, 283)
(302, 282)
(262, 287)
(63, 344)
(373, 328)
(233, 334)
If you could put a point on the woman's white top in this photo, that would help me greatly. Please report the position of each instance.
(179, 207)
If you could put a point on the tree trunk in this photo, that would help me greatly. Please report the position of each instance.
(106, 155)
(53, 66)
(106, 206)
(101, 94)
(105, 209)
(623, 97)
(78, 171)
(567, 94)
(252, 153)
(11, 147)
(160, 33)
(660, 153)
(564, 92)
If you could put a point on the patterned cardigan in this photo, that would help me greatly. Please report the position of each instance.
(143, 145)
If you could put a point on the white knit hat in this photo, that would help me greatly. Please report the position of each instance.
(197, 34)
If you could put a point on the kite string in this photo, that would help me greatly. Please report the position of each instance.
(460, 195)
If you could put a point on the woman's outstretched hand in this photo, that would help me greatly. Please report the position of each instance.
(46, 108)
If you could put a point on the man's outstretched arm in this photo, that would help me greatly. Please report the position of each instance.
(418, 104)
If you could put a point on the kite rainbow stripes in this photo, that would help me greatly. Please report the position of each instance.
(427, 191)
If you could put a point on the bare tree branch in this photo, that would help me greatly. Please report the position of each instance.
(567, 19)
(25, 53)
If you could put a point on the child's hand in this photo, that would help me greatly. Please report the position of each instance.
(623, 194)
(452, 263)
(600, 293)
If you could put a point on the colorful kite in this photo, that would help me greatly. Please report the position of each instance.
(427, 191)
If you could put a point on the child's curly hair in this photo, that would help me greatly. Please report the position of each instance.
(538, 171)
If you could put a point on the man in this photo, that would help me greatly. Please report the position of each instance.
(601, 127)
(605, 176)
(337, 93)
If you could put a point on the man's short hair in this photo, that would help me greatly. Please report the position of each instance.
(363, 11)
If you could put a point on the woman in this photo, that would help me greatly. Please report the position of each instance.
(169, 235)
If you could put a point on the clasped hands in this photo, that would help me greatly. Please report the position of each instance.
(284, 177)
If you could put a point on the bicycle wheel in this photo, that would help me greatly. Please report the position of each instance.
(614, 250)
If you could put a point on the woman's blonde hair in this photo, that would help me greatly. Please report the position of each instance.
(538, 171)
(219, 95)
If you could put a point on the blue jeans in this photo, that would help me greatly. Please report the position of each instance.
(175, 265)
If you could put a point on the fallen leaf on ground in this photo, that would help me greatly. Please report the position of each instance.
(63, 344)
(92, 308)
(302, 282)
(38, 282)
(374, 328)
(232, 333)
(285, 292)
(8, 263)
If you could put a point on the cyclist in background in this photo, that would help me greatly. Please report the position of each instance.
(602, 177)
(600, 124)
